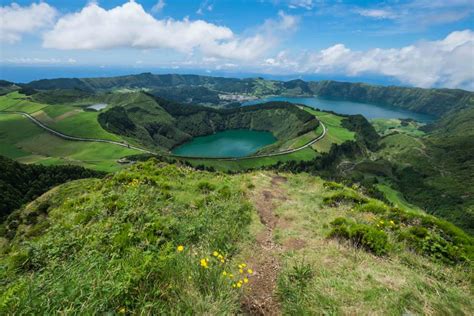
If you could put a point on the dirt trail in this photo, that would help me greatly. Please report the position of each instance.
(259, 299)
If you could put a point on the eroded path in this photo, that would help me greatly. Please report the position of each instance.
(260, 297)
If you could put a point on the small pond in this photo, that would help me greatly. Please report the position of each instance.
(98, 106)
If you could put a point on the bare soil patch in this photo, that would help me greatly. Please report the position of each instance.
(259, 298)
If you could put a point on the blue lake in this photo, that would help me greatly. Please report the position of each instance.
(370, 111)
(230, 143)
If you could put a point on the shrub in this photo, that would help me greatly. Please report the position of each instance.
(333, 185)
(361, 236)
(346, 196)
(369, 238)
(374, 207)
(205, 187)
(433, 245)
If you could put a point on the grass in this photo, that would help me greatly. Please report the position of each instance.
(253, 163)
(22, 140)
(15, 101)
(336, 134)
(388, 126)
(64, 118)
(330, 277)
(110, 246)
(397, 199)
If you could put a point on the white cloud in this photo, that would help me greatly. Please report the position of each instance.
(17, 20)
(377, 13)
(158, 6)
(205, 6)
(130, 26)
(448, 62)
(306, 4)
(418, 15)
(36, 60)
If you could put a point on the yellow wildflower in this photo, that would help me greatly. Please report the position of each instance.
(239, 284)
(224, 273)
(215, 254)
(240, 266)
(122, 310)
(180, 248)
(392, 222)
(241, 271)
(231, 275)
(220, 256)
(234, 285)
(243, 265)
(250, 271)
(246, 280)
(204, 263)
(222, 260)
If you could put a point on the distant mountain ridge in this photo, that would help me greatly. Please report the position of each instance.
(429, 101)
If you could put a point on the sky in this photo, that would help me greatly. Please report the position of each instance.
(424, 43)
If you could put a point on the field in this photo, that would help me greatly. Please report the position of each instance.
(336, 134)
(67, 119)
(24, 141)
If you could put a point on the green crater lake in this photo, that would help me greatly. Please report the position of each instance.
(230, 143)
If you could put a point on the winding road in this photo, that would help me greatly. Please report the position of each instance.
(123, 144)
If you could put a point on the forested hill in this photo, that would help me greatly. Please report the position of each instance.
(20, 183)
(431, 101)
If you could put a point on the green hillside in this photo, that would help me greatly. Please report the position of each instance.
(22, 183)
(158, 238)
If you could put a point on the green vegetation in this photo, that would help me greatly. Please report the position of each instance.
(431, 101)
(21, 183)
(336, 133)
(390, 126)
(157, 238)
(111, 246)
(433, 171)
(334, 276)
(164, 124)
(25, 142)
(306, 154)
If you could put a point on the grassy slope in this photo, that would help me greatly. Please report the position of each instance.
(253, 163)
(20, 139)
(342, 280)
(387, 126)
(443, 161)
(336, 134)
(110, 246)
(77, 123)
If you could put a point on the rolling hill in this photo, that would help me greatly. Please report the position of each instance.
(430, 101)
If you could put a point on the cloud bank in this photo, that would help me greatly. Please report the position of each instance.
(448, 62)
(130, 25)
(16, 20)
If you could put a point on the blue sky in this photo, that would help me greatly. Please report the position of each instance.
(413, 42)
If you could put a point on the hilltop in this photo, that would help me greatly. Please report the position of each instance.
(312, 246)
